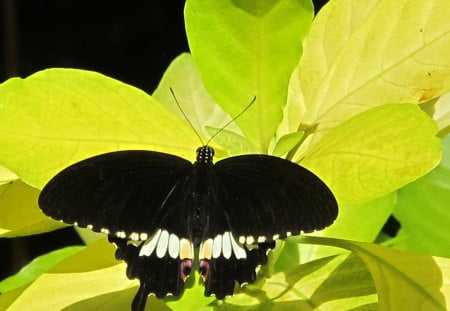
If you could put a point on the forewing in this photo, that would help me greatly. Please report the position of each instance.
(266, 198)
(127, 193)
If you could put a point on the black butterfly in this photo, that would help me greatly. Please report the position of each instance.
(170, 206)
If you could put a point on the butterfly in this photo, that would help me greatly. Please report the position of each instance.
(159, 208)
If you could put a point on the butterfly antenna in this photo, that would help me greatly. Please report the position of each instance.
(232, 120)
(185, 116)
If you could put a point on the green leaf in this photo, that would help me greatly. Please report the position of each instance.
(422, 209)
(286, 143)
(362, 54)
(404, 281)
(233, 143)
(195, 101)
(333, 283)
(19, 212)
(36, 267)
(59, 116)
(81, 280)
(359, 222)
(248, 48)
(193, 298)
(375, 152)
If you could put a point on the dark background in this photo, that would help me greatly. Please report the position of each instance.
(131, 41)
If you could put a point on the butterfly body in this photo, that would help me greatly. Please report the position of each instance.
(170, 207)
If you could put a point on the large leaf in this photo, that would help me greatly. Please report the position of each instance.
(59, 116)
(19, 214)
(245, 49)
(362, 54)
(77, 282)
(404, 281)
(359, 222)
(36, 267)
(196, 103)
(333, 283)
(423, 209)
(376, 152)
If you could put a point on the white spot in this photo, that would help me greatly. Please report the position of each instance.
(250, 240)
(75, 223)
(162, 245)
(143, 236)
(134, 236)
(289, 233)
(226, 245)
(261, 239)
(242, 239)
(217, 246)
(121, 234)
(149, 245)
(205, 250)
(275, 237)
(90, 227)
(238, 251)
(174, 246)
(104, 230)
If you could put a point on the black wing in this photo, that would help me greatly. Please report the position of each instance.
(126, 193)
(266, 198)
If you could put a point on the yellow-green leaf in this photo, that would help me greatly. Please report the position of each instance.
(404, 280)
(193, 98)
(362, 54)
(80, 281)
(6, 175)
(376, 152)
(245, 49)
(19, 213)
(59, 116)
(333, 283)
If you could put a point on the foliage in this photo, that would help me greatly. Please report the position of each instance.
(357, 95)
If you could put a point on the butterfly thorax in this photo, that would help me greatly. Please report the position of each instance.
(201, 183)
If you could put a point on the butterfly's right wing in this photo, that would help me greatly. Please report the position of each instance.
(129, 194)
(268, 198)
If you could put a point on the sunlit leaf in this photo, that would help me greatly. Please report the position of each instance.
(439, 109)
(36, 267)
(192, 96)
(332, 283)
(359, 222)
(376, 152)
(81, 280)
(59, 116)
(233, 143)
(362, 54)
(6, 175)
(245, 49)
(286, 143)
(404, 281)
(19, 213)
(423, 209)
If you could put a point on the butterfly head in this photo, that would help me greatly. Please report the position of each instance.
(205, 154)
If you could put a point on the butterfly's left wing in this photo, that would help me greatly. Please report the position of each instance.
(269, 198)
(132, 195)
(129, 194)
